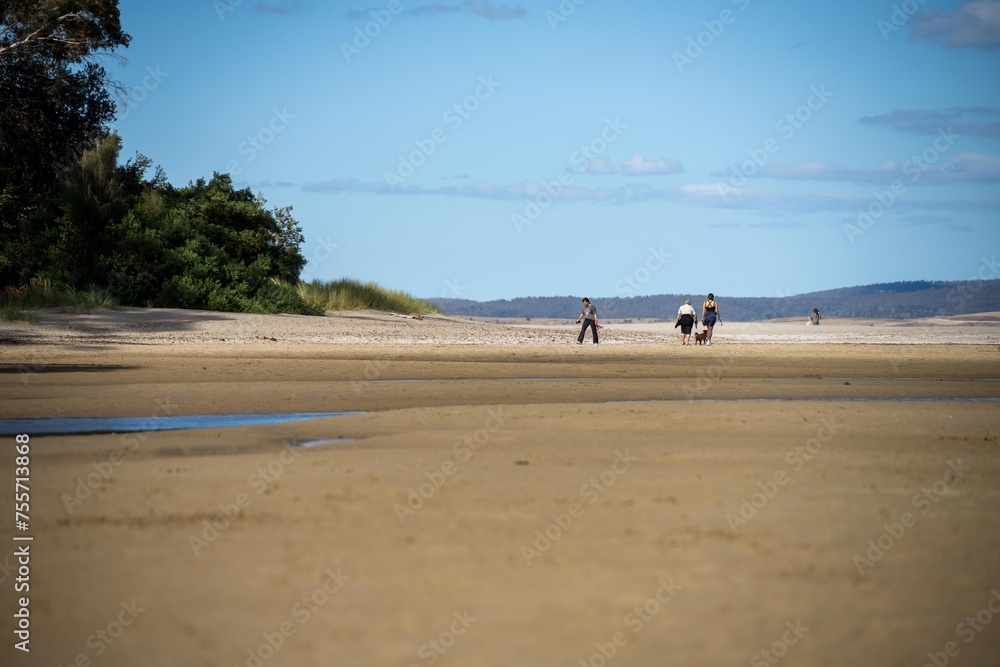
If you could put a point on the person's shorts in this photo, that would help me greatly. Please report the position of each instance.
(709, 320)
(685, 328)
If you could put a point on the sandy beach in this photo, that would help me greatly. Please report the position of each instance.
(502, 496)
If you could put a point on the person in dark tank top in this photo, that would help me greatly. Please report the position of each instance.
(710, 314)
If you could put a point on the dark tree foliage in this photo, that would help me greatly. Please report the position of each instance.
(210, 246)
(60, 31)
(54, 102)
(71, 214)
(207, 245)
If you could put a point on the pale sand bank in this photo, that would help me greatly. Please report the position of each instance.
(176, 326)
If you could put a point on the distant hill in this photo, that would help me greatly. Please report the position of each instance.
(901, 300)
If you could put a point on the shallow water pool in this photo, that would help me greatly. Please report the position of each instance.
(74, 425)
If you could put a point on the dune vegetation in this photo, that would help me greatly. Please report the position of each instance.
(348, 294)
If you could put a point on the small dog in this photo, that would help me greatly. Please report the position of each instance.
(700, 337)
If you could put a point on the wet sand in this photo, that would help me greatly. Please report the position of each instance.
(503, 499)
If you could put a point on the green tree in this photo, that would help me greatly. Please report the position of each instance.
(243, 245)
(54, 103)
(65, 238)
(288, 239)
(207, 246)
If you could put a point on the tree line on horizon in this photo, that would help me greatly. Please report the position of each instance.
(900, 300)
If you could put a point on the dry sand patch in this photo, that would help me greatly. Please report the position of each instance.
(498, 504)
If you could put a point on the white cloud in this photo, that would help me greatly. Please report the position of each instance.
(723, 195)
(932, 220)
(485, 10)
(970, 168)
(964, 121)
(494, 13)
(776, 224)
(963, 168)
(974, 25)
(638, 165)
(708, 195)
(600, 165)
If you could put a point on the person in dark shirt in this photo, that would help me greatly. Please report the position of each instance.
(589, 318)
(710, 313)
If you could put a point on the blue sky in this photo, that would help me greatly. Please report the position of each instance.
(484, 150)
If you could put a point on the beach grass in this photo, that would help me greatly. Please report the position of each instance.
(92, 297)
(312, 298)
(14, 313)
(45, 293)
(350, 294)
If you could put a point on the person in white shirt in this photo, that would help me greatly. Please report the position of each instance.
(687, 318)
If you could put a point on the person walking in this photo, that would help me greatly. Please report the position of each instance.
(709, 315)
(589, 319)
(687, 317)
